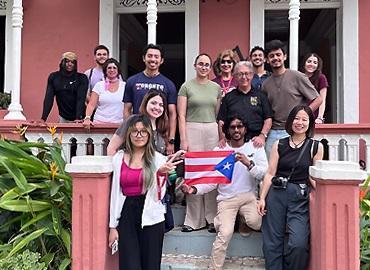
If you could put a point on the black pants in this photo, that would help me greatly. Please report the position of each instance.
(139, 248)
(287, 209)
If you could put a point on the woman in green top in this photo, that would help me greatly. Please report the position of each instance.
(197, 105)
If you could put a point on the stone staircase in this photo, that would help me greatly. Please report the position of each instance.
(190, 251)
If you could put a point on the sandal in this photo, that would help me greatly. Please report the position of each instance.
(187, 228)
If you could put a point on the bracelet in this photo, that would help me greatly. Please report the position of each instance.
(264, 135)
(321, 118)
(195, 190)
(251, 165)
(87, 117)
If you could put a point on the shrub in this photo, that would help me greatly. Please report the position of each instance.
(25, 261)
(365, 226)
(35, 202)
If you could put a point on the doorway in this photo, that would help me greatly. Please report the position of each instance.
(170, 35)
(317, 33)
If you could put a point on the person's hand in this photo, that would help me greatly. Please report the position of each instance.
(170, 148)
(242, 158)
(222, 143)
(113, 235)
(261, 207)
(184, 145)
(319, 121)
(171, 164)
(259, 141)
(87, 124)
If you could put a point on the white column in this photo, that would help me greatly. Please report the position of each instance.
(152, 21)
(257, 23)
(294, 34)
(191, 36)
(15, 108)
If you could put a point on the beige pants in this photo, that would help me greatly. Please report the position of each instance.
(246, 205)
(199, 208)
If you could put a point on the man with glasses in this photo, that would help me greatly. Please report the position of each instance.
(258, 59)
(238, 196)
(139, 84)
(249, 103)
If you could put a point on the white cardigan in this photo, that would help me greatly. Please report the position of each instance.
(154, 209)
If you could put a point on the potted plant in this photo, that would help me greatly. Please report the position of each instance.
(5, 100)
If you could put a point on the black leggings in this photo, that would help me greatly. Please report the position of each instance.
(139, 248)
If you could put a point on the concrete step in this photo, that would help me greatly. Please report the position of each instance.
(199, 243)
(191, 262)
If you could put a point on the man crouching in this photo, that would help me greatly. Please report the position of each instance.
(240, 195)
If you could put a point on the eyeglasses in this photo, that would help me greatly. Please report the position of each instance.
(244, 74)
(143, 133)
(233, 127)
(203, 65)
(226, 61)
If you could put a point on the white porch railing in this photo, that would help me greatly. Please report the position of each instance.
(348, 142)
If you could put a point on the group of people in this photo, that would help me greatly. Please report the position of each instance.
(260, 115)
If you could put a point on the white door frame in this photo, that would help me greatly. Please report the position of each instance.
(348, 61)
(109, 25)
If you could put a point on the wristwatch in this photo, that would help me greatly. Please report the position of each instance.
(264, 135)
(171, 141)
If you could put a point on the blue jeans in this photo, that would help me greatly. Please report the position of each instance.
(273, 136)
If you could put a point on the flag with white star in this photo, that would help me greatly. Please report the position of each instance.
(210, 167)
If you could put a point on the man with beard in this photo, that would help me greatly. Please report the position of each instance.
(258, 58)
(139, 84)
(238, 196)
(95, 74)
(285, 89)
(69, 87)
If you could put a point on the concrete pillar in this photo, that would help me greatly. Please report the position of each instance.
(335, 217)
(90, 213)
(152, 21)
(15, 108)
(294, 33)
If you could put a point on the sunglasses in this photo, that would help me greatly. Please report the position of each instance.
(226, 61)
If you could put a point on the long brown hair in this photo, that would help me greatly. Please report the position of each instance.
(162, 121)
(149, 153)
(316, 74)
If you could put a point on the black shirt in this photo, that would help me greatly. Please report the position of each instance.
(70, 92)
(287, 158)
(253, 106)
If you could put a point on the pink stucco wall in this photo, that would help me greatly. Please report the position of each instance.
(49, 29)
(364, 56)
(223, 25)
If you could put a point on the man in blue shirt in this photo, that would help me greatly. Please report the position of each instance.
(139, 84)
(258, 59)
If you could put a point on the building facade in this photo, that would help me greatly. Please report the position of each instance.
(35, 34)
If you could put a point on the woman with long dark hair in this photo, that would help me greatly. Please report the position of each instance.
(138, 186)
(312, 67)
(284, 199)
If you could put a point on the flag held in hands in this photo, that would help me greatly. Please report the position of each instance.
(211, 167)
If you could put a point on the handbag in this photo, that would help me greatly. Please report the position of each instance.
(169, 222)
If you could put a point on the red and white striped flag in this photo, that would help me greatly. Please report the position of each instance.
(200, 167)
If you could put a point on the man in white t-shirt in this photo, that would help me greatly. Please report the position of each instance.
(240, 195)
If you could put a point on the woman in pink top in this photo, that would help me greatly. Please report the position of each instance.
(138, 186)
(223, 68)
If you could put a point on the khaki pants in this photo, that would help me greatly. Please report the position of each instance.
(199, 208)
(246, 205)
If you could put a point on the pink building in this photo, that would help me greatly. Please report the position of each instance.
(337, 30)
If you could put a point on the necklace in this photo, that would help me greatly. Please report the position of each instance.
(281, 79)
(296, 145)
(151, 75)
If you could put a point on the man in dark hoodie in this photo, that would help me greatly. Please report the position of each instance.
(69, 87)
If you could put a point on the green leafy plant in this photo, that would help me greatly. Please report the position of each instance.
(35, 202)
(365, 225)
(26, 260)
(5, 100)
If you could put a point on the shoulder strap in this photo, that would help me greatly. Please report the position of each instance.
(303, 148)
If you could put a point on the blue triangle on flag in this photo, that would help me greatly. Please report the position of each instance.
(226, 166)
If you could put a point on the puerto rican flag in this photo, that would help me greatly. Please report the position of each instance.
(211, 167)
